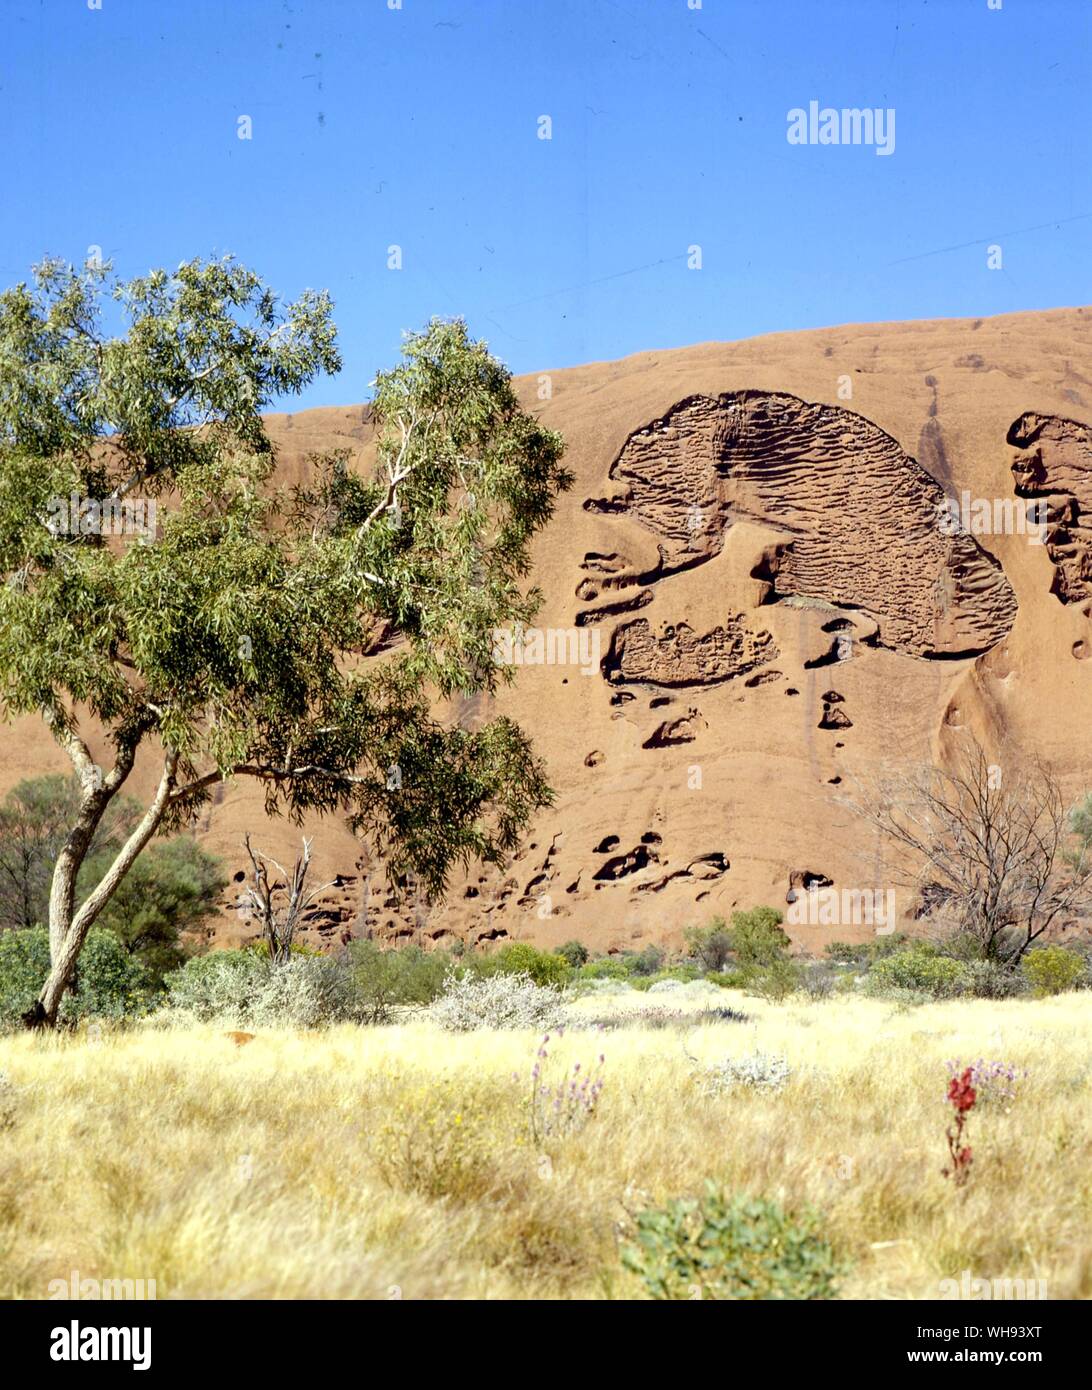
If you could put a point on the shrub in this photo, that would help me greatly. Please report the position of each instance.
(777, 980)
(440, 1139)
(575, 952)
(1052, 970)
(758, 938)
(711, 945)
(920, 970)
(729, 979)
(989, 979)
(721, 1247)
(861, 954)
(521, 958)
(108, 983)
(606, 968)
(757, 1070)
(306, 992)
(496, 1001)
(677, 974)
(24, 965)
(222, 984)
(820, 980)
(647, 962)
(385, 979)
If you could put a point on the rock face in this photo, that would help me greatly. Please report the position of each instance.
(1055, 464)
(857, 518)
(753, 555)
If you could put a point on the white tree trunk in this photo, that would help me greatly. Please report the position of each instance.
(68, 928)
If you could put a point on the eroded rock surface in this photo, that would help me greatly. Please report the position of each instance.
(681, 657)
(859, 517)
(1055, 463)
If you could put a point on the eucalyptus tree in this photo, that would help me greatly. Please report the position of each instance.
(308, 638)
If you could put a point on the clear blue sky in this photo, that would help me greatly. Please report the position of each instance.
(418, 127)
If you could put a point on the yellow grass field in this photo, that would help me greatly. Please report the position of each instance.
(397, 1162)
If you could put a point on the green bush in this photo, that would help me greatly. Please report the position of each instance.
(730, 979)
(685, 973)
(721, 1247)
(243, 987)
(575, 952)
(521, 958)
(222, 984)
(989, 979)
(24, 965)
(777, 980)
(605, 968)
(920, 970)
(1052, 970)
(711, 946)
(306, 992)
(401, 975)
(861, 954)
(647, 962)
(757, 937)
(108, 983)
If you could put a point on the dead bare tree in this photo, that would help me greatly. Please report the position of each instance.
(279, 906)
(995, 848)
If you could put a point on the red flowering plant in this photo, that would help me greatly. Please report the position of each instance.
(962, 1096)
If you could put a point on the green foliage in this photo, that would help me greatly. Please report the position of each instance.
(711, 945)
(729, 979)
(109, 983)
(777, 980)
(385, 979)
(521, 958)
(222, 984)
(24, 964)
(861, 954)
(575, 952)
(244, 987)
(685, 972)
(645, 962)
(1052, 970)
(605, 968)
(989, 979)
(35, 817)
(920, 969)
(731, 1247)
(757, 937)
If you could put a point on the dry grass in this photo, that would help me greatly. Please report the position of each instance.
(397, 1161)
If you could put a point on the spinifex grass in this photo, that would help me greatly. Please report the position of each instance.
(262, 1171)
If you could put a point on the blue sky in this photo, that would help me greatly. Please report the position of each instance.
(418, 127)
